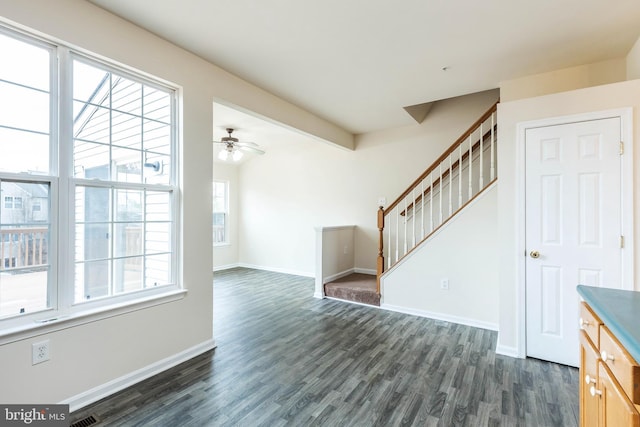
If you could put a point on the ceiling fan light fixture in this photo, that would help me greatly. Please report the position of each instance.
(237, 155)
(223, 155)
(233, 149)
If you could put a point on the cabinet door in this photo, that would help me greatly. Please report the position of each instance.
(589, 404)
(617, 409)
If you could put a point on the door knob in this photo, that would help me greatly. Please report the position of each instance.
(534, 254)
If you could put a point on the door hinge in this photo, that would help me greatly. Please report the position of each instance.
(621, 242)
(621, 148)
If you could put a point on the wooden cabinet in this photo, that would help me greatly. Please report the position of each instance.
(616, 408)
(609, 377)
(589, 405)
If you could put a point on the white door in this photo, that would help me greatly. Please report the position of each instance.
(573, 228)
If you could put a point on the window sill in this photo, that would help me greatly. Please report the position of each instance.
(55, 324)
(218, 245)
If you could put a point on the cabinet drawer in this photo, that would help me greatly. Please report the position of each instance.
(590, 323)
(621, 364)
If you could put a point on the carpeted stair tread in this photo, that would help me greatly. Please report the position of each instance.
(355, 287)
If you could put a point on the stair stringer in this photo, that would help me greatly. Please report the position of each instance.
(463, 251)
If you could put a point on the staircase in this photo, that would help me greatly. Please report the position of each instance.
(455, 179)
(452, 182)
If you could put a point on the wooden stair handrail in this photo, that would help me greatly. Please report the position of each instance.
(454, 166)
(446, 154)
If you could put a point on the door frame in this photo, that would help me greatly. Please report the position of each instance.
(626, 133)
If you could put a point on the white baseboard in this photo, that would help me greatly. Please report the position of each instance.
(355, 302)
(504, 350)
(373, 272)
(226, 267)
(442, 316)
(337, 276)
(90, 396)
(277, 270)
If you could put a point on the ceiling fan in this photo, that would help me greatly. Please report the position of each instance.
(233, 147)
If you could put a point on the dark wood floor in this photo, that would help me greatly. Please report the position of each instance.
(285, 358)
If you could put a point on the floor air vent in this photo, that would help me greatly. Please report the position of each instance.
(85, 422)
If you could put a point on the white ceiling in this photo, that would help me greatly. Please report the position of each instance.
(357, 63)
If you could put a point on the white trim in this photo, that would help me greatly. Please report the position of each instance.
(355, 302)
(277, 270)
(54, 324)
(442, 316)
(334, 228)
(226, 267)
(370, 271)
(337, 276)
(93, 395)
(626, 120)
(505, 350)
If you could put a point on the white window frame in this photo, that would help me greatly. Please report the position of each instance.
(63, 312)
(226, 241)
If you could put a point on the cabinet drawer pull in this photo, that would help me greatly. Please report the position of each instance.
(606, 356)
(583, 323)
(588, 379)
(594, 391)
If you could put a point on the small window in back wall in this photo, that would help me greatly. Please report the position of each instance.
(220, 212)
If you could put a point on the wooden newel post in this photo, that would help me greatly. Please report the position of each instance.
(380, 263)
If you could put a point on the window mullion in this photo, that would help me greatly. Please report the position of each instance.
(62, 208)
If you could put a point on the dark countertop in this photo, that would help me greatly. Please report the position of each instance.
(620, 312)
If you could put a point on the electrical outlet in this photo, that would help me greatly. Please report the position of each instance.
(382, 201)
(444, 284)
(40, 352)
(346, 249)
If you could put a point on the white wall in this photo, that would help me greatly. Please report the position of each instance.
(613, 96)
(225, 256)
(581, 76)
(288, 192)
(465, 252)
(633, 62)
(87, 357)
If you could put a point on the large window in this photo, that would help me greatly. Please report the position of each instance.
(87, 180)
(220, 212)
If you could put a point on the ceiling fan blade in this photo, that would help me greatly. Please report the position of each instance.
(247, 144)
(250, 149)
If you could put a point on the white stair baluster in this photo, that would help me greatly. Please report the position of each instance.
(492, 169)
(470, 161)
(422, 210)
(397, 232)
(481, 166)
(431, 203)
(450, 186)
(440, 191)
(413, 218)
(389, 244)
(460, 176)
(406, 214)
